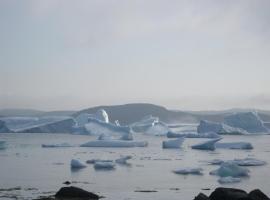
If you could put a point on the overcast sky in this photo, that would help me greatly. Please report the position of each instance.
(191, 55)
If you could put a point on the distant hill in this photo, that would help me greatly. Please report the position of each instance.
(33, 113)
(130, 113)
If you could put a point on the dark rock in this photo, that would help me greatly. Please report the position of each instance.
(67, 183)
(201, 196)
(228, 194)
(74, 192)
(257, 195)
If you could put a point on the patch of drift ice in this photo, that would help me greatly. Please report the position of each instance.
(229, 179)
(219, 128)
(104, 165)
(3, 145)
(76, 164)
(123, 160)
(234, 145)
(173, 144)
(186, 171)
(231, 169)
(240, 162)
(192, 135)
(115, 143)
(249, 121)
(208, 145)
(56, 145)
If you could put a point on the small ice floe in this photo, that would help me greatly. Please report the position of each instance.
(93, 161)
(123, 160)
(76, 164)
(186, 171)
(249, 162)
(208, 145)
(229, 179)
(230, 168)
(193, 135)
(56, 145)
(104, 165)
(173, 144)
(3, 145)
(215, 162)
(234, 145)
(115, 143)
(126, 136)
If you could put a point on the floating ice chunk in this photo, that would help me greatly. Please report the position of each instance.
(220, 128)
(159, 129)
(115, 143)
(76, 164)
(185, 171)
(3, 145)
(230, 168)
(208, 145)
(193, 135)
(144, 123)
(249, 121)
(97, 127)
(104, 165)
(173, 144)
(216, 162)
(249, 162)
(234, 145)
(105, 137)
(126, 136)
(229, 179)
(123, 160)
(56, 145)
(93, 161)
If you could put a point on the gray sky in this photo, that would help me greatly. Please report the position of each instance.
(203, 54)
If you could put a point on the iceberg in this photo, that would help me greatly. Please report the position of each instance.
(76, 164)
(123, 160)
(56, 145)
(127, 136)
(159, 129)
(173, 144)
(4, 128)
(220, 128)
(145, 123)
(230, 168)
(104, 165)
(3, 145)
(102, 115)
(249, 121)
(105, 137)
(62, 126)
(186, 171)
(234, 145)
(193, 135)
(208, 145)
(115, 143)
(249, 162)
(229, 179)
(97, 127)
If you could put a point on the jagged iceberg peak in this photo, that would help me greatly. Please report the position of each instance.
(248, 121)
(219, 128)
(102, 115)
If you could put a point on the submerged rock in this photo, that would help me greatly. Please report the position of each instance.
(75, 192)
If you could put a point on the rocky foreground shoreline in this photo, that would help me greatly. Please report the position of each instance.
(218, 194)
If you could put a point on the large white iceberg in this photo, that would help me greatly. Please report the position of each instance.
(220, 128)
(100, 115)
(76, 164)
(208, 145)
(173, 144)
(192, 135)
(249, 121)
(234, 145)
(115, 143)
(104, 165)
(97, 127)
(185, 171)
(230, 168)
